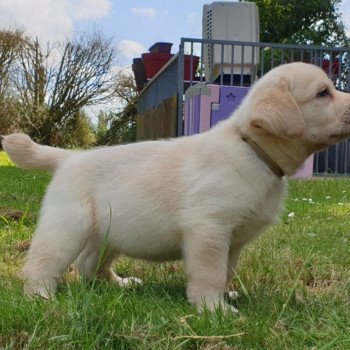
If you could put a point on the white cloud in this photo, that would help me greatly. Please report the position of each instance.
(191, 18)
(49, 20)
(194, 24)
(131, 49)
(146, 12)
(91, 9)
(124, 70)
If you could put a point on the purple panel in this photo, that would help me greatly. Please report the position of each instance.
(192, 113)
(196, 114)
(230, 98)
(306, 170)
(190, 116)
(187, 117)
(198, 108)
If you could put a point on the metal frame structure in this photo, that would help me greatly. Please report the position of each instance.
(264, 56)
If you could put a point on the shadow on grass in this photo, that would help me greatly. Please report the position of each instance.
(148, 290)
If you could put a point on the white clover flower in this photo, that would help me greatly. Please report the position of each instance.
(291, 214)
(312, 234)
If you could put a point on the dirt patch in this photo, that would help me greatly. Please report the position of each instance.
(23, 246)
(11, 215)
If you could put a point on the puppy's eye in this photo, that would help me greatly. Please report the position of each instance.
(323, 93)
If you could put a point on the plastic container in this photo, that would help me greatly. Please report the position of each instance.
(154, 62)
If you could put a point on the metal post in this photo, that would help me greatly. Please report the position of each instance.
(232, 63)
(242, 64)
(180, 88)
(222, 65)
(348, 57)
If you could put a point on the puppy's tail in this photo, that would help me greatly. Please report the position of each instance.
(29, 155)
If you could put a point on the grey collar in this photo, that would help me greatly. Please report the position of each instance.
(275, 168)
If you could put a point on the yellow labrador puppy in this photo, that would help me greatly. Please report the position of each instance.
(200, 198)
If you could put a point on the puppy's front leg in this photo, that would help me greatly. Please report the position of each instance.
(206, 255)
(233, 257)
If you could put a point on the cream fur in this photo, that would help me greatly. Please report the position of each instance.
(200, 198)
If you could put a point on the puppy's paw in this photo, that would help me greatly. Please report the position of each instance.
(128, 281)
(232, 295)
(230, 308)
(226, 308)
(32, 290)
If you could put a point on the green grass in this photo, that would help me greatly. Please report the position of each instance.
(293, 284)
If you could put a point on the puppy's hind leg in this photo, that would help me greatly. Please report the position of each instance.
(95, 261)
(60, 236)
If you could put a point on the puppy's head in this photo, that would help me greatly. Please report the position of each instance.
(297, 101)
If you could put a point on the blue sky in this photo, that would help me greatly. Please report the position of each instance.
(135, 25)
(146, 22)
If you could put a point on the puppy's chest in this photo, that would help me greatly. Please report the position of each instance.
(259, 214)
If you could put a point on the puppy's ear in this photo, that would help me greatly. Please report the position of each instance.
(277, 112)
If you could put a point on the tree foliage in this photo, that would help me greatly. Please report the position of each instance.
(46, 90)
(120, 127)
(83, 76)
(301, 22)
(11, 42)
(312, 22)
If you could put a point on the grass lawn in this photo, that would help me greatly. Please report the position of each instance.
(293, 284)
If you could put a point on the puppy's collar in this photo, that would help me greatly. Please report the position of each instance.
(275, 168)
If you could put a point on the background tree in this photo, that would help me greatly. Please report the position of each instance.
(10, 45)
(29, 79)
(52, 87)
(11, 42)
(120, 127)
(315, 22)
(83, 78)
